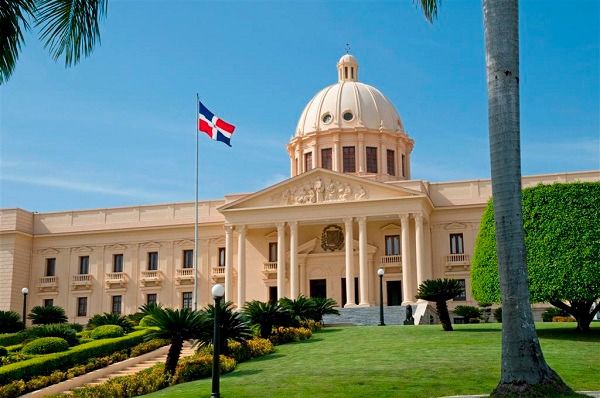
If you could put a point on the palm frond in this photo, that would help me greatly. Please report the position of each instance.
(430, 8)
(13, 21)
(70, 27)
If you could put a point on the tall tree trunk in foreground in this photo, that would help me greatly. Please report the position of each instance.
(524, 369)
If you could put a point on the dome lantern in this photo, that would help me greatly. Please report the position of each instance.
(347, 69)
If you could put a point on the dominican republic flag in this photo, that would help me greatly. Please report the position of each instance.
(215, 127)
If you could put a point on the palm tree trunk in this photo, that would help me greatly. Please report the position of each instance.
(523, 365)
(442, 310)
(173, 356)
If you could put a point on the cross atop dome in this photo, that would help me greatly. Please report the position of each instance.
(347, 68)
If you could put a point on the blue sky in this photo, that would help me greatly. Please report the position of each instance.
(118, 129)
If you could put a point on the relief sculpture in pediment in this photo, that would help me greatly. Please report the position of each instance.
(319, 191)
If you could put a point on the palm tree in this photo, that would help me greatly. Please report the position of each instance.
(440, 291)
(67, 27)
(10, 322)
(324, 306)
(265, 315)
(176, 326)
(301, 309)
(233, 327)
(523, 364)
(45, 315)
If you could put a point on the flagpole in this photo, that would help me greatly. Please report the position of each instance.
(195, 300)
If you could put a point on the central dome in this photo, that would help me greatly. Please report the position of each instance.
(349, 104)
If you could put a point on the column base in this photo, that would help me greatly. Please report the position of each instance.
(421, 301)
(349, 305)
(404, 303)
(364, 305)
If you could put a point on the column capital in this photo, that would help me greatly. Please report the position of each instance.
(404, 218)
(418, 217)
(228, 228)
(280, 227)
(348, 220)
(293, 224)
(361, 219)
(240, 228)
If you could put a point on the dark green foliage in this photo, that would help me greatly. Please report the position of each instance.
(77, 355)
(265, 316)
(143, 311)
(324, 306)
(76, 327)
(10, 322)
(486, 311)
(468, 312)
(8, 339)
(3, 351)
(107, 332)
(176, 326)
(233, 326)
(552, 312)
(440, 291)
(301, 309)
(498, 314)
(562, 237)
(110, 319)
(45, 315)
(148, 346)
(45, 345)
(61, 330)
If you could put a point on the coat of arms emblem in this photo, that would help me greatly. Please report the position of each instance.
(332, 238)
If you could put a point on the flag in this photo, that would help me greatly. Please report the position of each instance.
(215, 127)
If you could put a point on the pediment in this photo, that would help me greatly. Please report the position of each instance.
(184, 242)
(318, 187)
(83, 249)
(390, 227)
(271, 235)
(150, 245)
(116, 247)
(49, 251)
(455, 226)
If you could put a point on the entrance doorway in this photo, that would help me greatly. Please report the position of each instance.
(272, 294)
(344, 293)
(318, 288)
(394, 292)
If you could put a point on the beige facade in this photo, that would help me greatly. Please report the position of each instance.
(325, 231)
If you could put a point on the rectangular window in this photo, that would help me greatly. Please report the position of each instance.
(84, 265)
(221, 256)
(188, 259)
(403, 165)
(307, 161)
(81, 306)
(48, 302)
(456, 244)
(272, 252)
(392, 245)
(349, 159)
(371, 159)
(391, 162)
(152, 261)
(50, 266)
(463, 295)
(326, 159)
(186, 300)
(117, 302)
(118, 263)
(151, 298)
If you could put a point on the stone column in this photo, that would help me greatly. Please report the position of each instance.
(408, 289)
(382, 158)
(298, 160)
(241, 266)
(420, 254)
(280, 260)
(228, 261)
(349, 241)
(293, 260)
(361, 154)
(362, 262)
(336, 164)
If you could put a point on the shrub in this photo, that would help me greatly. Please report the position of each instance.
(76, 371)
(301, 309)
(8, 339)
(148, 346)
(314, 326)
(3, 351)
(498, 314)
(54, 330)
(259, 347)
(146, 321)
(107, 332)
(559, 318)
(486, 311)
(38, 382)
(199, 366)
(46, 345)
(238, 351)
(10, 322)
(13, 389)
(76, 327)
(468, 312)
(110, 319)
(233, 326)
(283, 335)
(550, 313)
(45, 315)
(77, 355)
(324, 306)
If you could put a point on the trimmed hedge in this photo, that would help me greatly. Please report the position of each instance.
(7, 339)
(199, 366)
(77, 355)
(45, 345)
(3, 351)
(61, 330)
(106, 332)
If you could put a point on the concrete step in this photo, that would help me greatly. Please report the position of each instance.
(393, 315)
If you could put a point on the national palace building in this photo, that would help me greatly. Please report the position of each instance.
(349, 208)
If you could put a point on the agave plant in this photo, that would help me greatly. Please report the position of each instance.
(10, 322)
(265, 316)
(176, 326)
(324, 306)
(45, 315)
(440, 291)
(110, 319)
(301, 309)
(233, 327)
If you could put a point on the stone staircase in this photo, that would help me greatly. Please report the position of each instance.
(394, 315)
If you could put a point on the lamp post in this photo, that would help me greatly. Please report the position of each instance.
(218, 291)
(25, 292)
(380, 272)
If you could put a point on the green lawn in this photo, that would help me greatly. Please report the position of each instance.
(398, 361)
